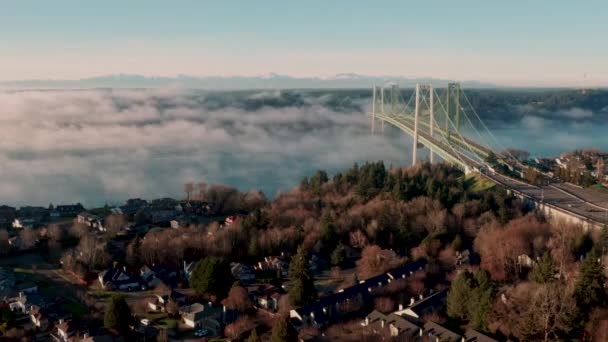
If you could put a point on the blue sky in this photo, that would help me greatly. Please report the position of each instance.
(506, 42)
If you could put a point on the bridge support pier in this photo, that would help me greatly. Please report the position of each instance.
(416, 115)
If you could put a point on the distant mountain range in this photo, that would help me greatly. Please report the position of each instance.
(270, 81)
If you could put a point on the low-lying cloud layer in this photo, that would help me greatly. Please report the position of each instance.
(103, 146)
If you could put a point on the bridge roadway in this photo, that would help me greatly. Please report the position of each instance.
(553, 195)
(568, 198)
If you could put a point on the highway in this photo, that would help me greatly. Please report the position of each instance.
(555, 196)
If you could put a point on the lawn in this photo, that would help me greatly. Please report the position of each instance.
(76, 309)
(168, 322)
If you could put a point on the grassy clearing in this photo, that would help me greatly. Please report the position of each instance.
(476, 183)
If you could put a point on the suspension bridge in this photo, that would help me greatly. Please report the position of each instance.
(444, 121)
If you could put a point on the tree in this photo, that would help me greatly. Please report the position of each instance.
(302, 290)
(118, 317)
(544, 270)
(482, 299)
(470, 298)
(28, 237)
(338, 256)
(459, 296)
(375, 260)
(253, 337)
(238, 299)
(283, 331)
(329, 237)
(491, 158)
(212, 276)
(589, 290)
(114, 223)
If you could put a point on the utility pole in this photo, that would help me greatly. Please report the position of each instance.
(416, 111)
(432, 113)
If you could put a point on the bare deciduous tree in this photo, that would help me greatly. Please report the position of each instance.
(238, 299)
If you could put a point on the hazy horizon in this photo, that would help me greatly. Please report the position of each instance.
(539, 45)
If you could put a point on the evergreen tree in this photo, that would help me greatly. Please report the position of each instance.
(471, 297)
(482, 298)
(283, 331)
(338, 256)
(329, 237)
(317, 181)
(582, 245)
(304, 185)
(302, 290)
(544, 270)
(459, 296)
(458, 244)
(253, 337)
(212, 275)
(589, 290)
(118, 317)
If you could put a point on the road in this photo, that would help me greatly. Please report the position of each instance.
(584, 202)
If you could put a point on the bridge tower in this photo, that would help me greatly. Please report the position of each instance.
(373, 123)
(452, 106)
(432, 119)
(416, 116)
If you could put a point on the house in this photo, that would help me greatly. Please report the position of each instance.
(155, 275)
(273, 263)
(116, 211)
(316, 263)
(242, 272)
(437, 333)
(397, 325)
(39, 320)
(118, 279)
(475, 336)
(164, 203)
(86, 337)
(7, 215)
(20, 223)
(91, 220)
(35, 213)
(266, 296)
(463, 258)
(64, 331)
(159, 303)
(18, 304)
(229, 221)
(207, 316)
(327, 308)
(67, 210)
(183, 221)
(23, 303)
(160, 216)
(133, 205)
(430, 304)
